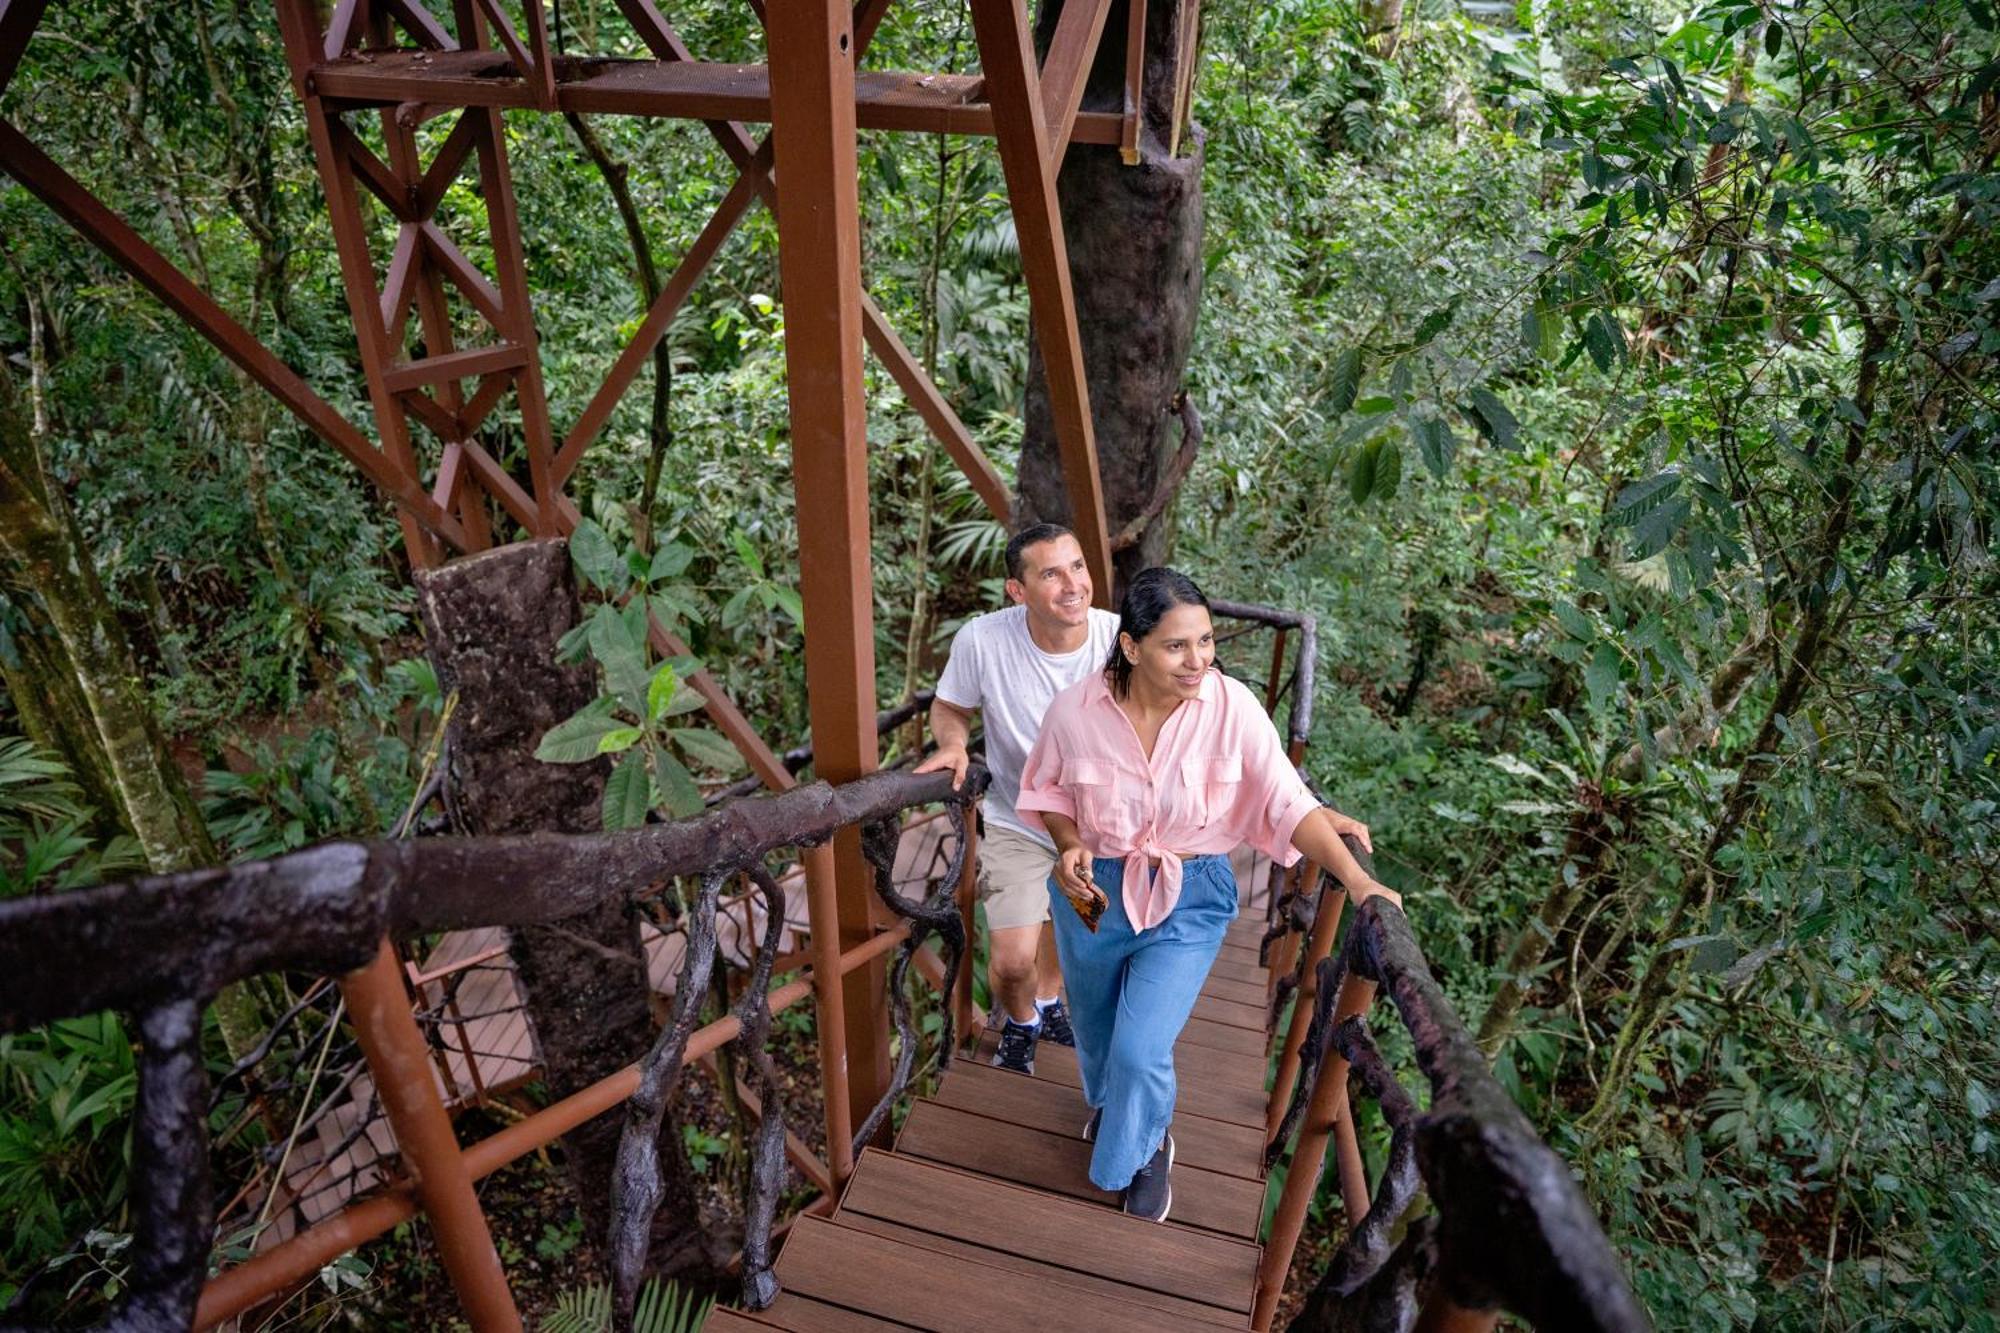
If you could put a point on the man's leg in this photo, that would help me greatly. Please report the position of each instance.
(1010, 971)
(1013, 879)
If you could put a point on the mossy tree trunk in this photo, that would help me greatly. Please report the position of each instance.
(45, 551)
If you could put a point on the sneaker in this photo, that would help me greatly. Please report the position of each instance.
(1017, 1047)
(1090, 1129)
(1055, 1025)
(1151, 1193)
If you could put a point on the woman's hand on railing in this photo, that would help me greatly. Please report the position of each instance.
(1350, 827)
(1370, 888)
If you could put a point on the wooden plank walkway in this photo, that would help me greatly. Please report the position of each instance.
(983, 1217)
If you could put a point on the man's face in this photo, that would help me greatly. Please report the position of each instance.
(1054, 583)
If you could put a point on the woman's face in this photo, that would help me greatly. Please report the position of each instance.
(1171, 661)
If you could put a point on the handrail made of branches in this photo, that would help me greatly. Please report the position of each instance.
(162, 946)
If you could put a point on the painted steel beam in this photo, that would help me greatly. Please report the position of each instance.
(811, 44)
(17, 23)
(1066, 68)
(681, 89)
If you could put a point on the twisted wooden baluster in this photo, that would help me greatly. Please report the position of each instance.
(935, 915)
(636, 1187)
(767, 1155)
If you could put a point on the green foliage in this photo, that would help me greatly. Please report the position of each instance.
(663, 1307)
(46, 838)
(65, 1110)
(633, 717)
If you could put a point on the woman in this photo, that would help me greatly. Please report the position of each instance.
(1147, 776)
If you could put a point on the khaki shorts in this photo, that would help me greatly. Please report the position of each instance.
(1014, 873)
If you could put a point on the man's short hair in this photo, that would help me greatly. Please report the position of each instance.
(1032, 535)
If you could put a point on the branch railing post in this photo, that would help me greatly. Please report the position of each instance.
(1277, 668)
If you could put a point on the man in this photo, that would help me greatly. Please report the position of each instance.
(1008, 665)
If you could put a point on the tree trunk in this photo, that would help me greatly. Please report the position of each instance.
(1588, 857)
(40, 539)
(1134, 239)
(42, 687)
(491, 622)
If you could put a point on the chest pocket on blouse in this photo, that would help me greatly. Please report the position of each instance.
(1110, 803)
(1213, 784)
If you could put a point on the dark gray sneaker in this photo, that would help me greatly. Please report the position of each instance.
(1017, 1047)
(1151, 1193)
(1055, 1025)
(1090, 1129)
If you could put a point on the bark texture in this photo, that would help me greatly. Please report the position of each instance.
(45, 551)
(1134, 235)
(491, 622)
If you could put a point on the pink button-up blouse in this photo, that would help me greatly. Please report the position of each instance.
(1218, 777)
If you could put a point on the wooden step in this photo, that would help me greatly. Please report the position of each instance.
(1214, 1145)
(1227, 969)
(1236, 992)
(1243, 954)
(1247, 1016)
(794, 1311)
(1250, 1042)
(1218, 1084)
(1060, 1163)
(870, 1275)
(1168, 1267)
(736, 1321)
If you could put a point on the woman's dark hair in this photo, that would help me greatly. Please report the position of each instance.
(1151, 594)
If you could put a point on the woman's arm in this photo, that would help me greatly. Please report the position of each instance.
(1319, 838)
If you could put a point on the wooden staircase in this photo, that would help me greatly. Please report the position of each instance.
(984, 1218)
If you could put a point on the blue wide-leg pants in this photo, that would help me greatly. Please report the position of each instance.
(1129, 997)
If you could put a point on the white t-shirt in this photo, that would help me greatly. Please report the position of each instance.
(995, 667)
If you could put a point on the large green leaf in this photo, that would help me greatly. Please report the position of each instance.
(596, 558)
(1388, 469)
(674, 786)
(1600, 678)
(1436, 443)
(1361, 472)
(1345, 386)
(1495, 422)
(670, 561)
(628, 792)
(618, 642)
(709, 748)
(660, 693)
(575, 740)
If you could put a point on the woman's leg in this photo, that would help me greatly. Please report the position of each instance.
(1163, 976)
(1093, 966)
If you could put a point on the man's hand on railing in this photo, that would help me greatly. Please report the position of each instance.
(951, 757)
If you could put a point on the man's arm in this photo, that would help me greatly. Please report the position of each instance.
(951, 728)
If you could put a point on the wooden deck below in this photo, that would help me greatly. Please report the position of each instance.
(983, 1218)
